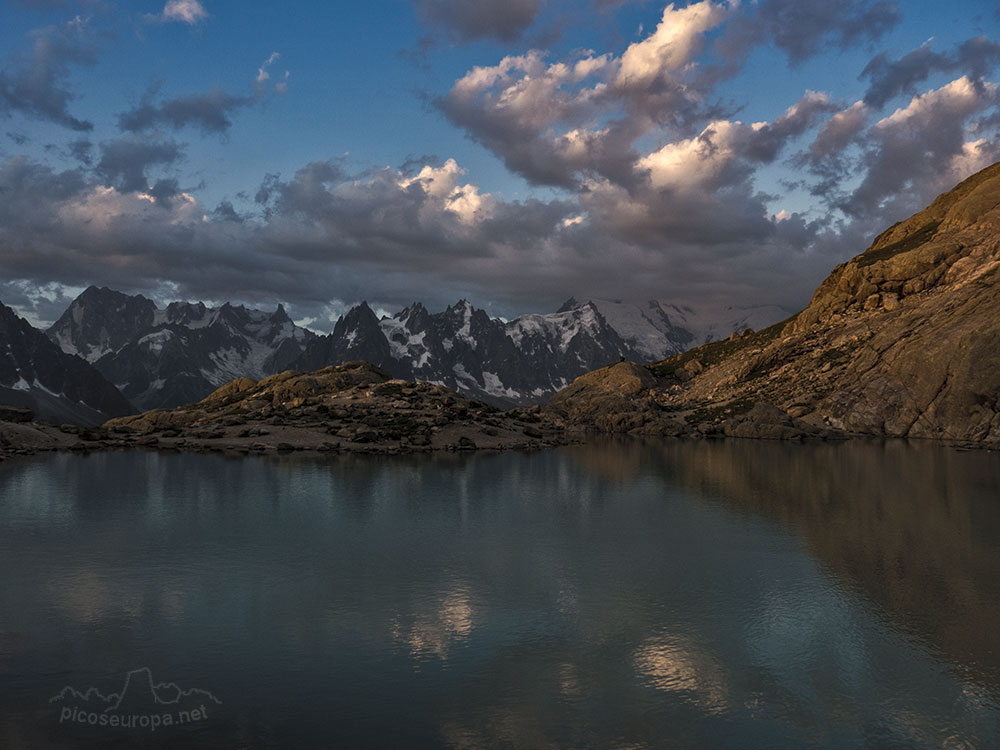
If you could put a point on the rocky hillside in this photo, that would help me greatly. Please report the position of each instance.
(351, 407)
(902, 340)
(37, 375)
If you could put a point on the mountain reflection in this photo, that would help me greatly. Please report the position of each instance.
(913, 526)
(609, 595)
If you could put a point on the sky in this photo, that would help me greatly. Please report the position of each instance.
(510, 152)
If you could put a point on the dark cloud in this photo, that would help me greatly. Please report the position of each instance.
(467, 20)
(803, 28)
(268, 187)
(82, 150)
(890, 78)
(41, 303)
(124, 162)
(769, 139)
(209, 111)
(828, 158)
(226, 212)
(37, 84)
(18, 138)
(29, 193)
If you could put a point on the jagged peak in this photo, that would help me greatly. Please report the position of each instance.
(362, 311)
(94, 292)
(570, 304)
(280, 315)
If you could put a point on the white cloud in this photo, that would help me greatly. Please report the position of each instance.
(689, 163)
(186, 11)
(961, 97)
(262, 72)
(678, 38)
(441, 186)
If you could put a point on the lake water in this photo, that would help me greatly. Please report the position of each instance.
(618, 595)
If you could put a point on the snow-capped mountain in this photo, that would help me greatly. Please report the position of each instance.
(160, 358)
(526, 359)
(100, 321)
(658, 329)
(179, 354)
(707, 323)
(58, 387)
(519, 361)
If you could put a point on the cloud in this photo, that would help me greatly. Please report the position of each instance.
(921, 149)
(554, 122)
(81, 150)
(124, 162)
(975, 57)
(662, 192)
(468, 20)
(804, 28)
(211, 110)
(679, 35)
(190, 12)
(512, 107)
(838, 133)
(264, 75)
(37, 85)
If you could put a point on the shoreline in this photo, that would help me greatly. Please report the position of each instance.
(39, 438)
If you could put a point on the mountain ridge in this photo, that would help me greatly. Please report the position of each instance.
(902, 340)
(162, 358)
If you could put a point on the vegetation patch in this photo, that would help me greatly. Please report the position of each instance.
(716, 351)
(915, 240)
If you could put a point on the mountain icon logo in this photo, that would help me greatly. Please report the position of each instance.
(141, 703)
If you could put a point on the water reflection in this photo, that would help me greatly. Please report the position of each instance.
(912, 526)
(622, 594)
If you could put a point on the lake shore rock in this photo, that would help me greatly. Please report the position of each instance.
(355, 407)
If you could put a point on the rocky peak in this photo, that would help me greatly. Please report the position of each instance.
(279, 316)
(101, 320)
(415, 317)
(570, 304)
(956, 239)
(186, 313)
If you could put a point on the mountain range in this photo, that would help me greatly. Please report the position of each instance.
(178, 354)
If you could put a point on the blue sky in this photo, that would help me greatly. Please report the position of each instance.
(515, 152)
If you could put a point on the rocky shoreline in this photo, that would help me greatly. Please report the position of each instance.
(350, 408)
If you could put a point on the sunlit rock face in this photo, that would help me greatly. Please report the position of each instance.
(900, 341)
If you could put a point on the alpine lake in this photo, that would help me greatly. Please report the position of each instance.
(620, 594)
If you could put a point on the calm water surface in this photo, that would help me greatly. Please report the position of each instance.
(618, 595)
